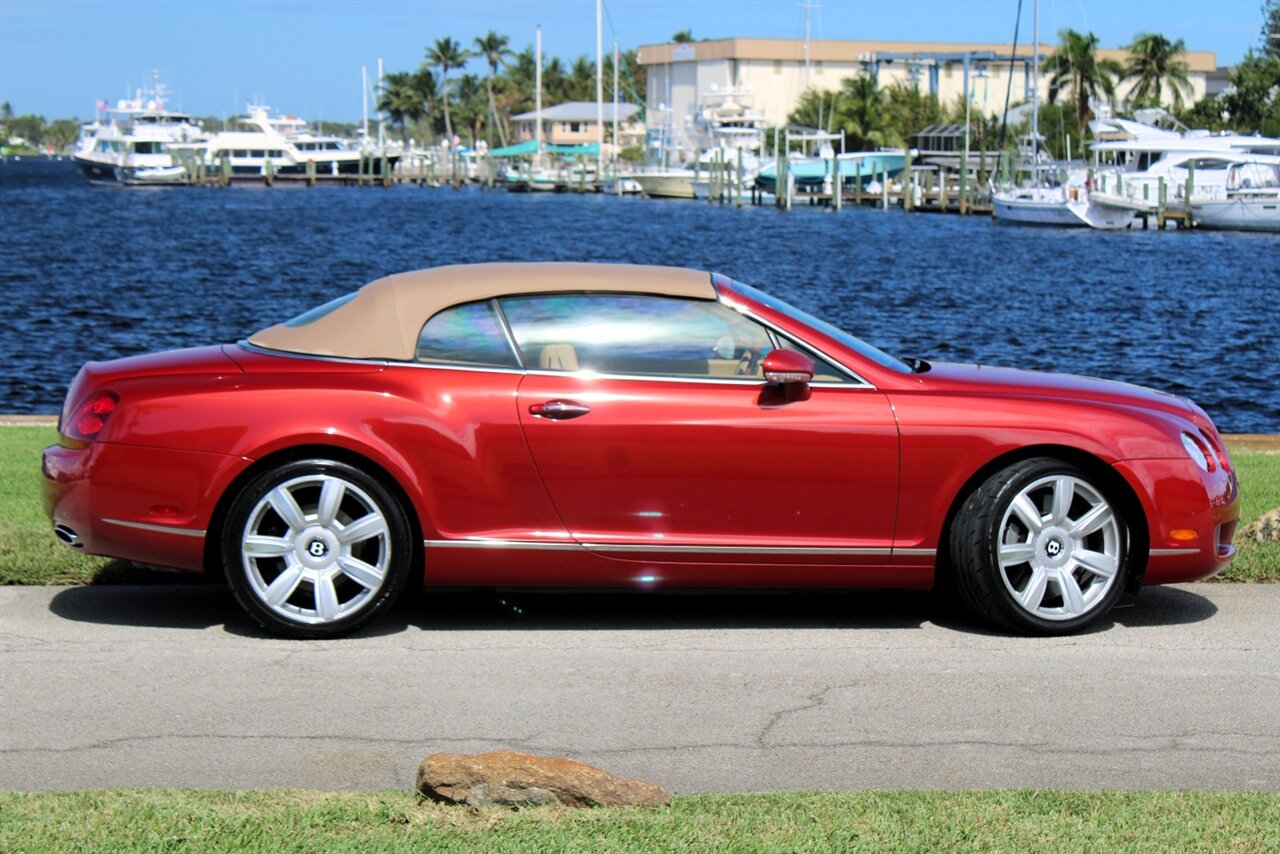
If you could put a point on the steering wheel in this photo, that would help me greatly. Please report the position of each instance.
(747, 362)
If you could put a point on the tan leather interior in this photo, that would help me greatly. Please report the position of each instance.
(558, 357)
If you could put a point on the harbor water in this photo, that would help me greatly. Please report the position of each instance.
(93, 272)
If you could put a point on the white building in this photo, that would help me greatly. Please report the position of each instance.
(772, 74)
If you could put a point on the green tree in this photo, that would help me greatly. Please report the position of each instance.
(62, 133)
(447, 54)
(815, 109)
(683, 36)
(29, 127)
(581, 85)
(1074, 66)
(1154, 61)
(910, 111)
(495, 50)
(428, 92)
(400, 99)
(859, 109)
(1252, 101)
(555, 82)
(1271, 28)
(630, 80)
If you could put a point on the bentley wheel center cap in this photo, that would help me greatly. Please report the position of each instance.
(317, 548)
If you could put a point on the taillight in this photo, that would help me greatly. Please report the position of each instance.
(92, 416)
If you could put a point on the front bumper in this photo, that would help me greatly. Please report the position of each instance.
(1191, 515)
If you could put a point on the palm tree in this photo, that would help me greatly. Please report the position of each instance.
(493, 48)
(399, 98)
(860, 109)
(1075, 65)
(1154, 61)
(428, 94)
(582, 80)
(447, 54)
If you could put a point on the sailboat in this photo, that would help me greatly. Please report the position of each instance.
(1063, 201)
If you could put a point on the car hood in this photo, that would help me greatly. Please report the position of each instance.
(1012, 382)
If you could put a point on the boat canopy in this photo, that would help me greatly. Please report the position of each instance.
(530, 147)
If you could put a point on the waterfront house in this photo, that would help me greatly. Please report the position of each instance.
(574, 123)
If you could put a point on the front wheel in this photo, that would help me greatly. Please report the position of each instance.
(1040, 547)
(316, 548)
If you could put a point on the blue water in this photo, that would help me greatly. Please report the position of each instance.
(98, 272)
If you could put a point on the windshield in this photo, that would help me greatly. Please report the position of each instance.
(852, 342)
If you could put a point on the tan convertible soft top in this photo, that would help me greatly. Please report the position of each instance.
(385, 317)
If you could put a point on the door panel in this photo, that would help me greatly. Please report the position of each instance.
(716, 471)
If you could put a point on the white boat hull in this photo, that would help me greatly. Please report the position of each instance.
(1061, 211)
(1259, 214)
(666, 185)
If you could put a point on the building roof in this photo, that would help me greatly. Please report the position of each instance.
(385, 317)
(578, 111)
(793, 50)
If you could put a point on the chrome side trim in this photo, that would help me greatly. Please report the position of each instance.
(159, 529)
(501, 544)
(916, 552)
(1171, 552)
(655, 547)
(734, 550)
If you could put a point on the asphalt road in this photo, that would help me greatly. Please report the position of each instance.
(168, 685)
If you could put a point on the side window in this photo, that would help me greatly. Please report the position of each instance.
(635, 334)
(468, 334)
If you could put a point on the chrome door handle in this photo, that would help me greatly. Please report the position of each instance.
(558, 410)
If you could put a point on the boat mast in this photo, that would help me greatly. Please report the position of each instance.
(537, 98)
(599, 91)
(616, 180)
(1035, 92)
(364, 96)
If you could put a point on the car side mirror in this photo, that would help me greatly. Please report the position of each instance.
(787, 368)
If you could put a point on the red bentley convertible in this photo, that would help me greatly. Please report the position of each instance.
(576, 425)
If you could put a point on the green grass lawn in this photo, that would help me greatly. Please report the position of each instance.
(1010, 820)
(29, 553)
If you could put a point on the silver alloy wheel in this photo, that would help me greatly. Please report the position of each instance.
(1059, 548)
(316, 549)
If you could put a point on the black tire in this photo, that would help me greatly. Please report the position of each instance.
(316, 548)
(1073, 572)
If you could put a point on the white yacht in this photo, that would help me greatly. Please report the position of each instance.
(1141, 166)
(284, 145)
(134, 142)
(1249, 201)
(721, 125)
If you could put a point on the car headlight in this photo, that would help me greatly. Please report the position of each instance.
(1197, 451)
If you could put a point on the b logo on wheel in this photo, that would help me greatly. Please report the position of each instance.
(1053, 548)
(317, 548)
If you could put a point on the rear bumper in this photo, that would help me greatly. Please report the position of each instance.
(1191, 516)
(149, 505)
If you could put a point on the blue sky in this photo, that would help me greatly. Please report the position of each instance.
(58, 57)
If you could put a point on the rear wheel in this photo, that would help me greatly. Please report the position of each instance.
(316, 548)
(1040, 547)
